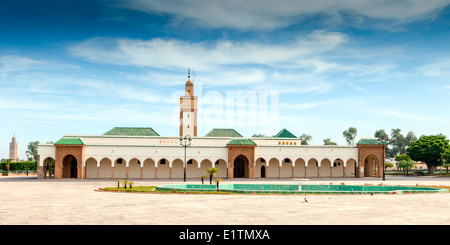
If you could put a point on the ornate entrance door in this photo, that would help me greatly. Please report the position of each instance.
(239, 168)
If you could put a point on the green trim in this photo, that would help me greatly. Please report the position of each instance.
(132, 131)
(223, 132)
(241, 142)
(142, 137)
(69, 141)
(284, 133)
(372, 141)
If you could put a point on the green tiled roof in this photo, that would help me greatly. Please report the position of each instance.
(69, 141)
(223, 132)
(371, 141)
(124, 131)
(284, 133)
(241, 142)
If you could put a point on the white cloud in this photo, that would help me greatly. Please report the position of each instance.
(268, 14)
(415, 116)
(15, 63)
(10, 63)
(176, 54)
(436, 69)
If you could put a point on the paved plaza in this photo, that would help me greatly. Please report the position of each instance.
(31, 201)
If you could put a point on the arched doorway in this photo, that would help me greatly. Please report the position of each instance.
(240, 167)
(263, 171)
(49, 168)
(70, 167)
(371, 166)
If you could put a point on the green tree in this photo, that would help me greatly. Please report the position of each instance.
(429, 149)
(259, 135)
(32, 147)
(388, 165)
(350, 135)
(446, 159)
(8, 164)
(402, 157)
(306, 138)
(328, 142)
(398, 142)
(381, 134)
(211, 173)
(405, 164)
(202, 177)
(410, 137)
(217, 182)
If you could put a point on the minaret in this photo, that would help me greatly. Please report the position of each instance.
(188, 110)
(13, 149)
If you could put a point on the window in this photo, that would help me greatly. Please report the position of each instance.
(162, 161)
(217, 162)
(189, 162)
(119, 161)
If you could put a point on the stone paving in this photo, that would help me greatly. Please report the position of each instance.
(31, 201)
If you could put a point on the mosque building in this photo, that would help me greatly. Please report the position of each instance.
(141, 153)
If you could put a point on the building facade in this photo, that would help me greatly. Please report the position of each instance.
(141, 153)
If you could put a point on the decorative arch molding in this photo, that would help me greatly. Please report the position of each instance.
(366, 150)
(246, 150)
(46, 166)
(61, 151)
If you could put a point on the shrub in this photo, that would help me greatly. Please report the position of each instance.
(20, 165)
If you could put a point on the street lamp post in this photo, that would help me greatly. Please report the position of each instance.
(28, 159)
(383, 143)
(185, 142)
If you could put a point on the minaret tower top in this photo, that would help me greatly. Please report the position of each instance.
(189, 87)
(188, 110)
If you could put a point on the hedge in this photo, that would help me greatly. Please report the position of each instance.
(21, 165)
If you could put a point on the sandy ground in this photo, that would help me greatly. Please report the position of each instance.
(27, 200)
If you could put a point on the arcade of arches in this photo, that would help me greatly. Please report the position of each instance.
(69, 162)
(240, 168)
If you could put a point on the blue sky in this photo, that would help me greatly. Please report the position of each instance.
(83, 67)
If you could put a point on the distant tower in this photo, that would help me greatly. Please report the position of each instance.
(188, 110)
(13, 149)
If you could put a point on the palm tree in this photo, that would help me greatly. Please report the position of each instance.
(118, 184)
(217, 182)
(202, 177)
(131, 184)
(8, 162)
(125, 182)
(211, 173)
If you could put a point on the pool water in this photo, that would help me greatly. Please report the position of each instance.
(302, 188)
